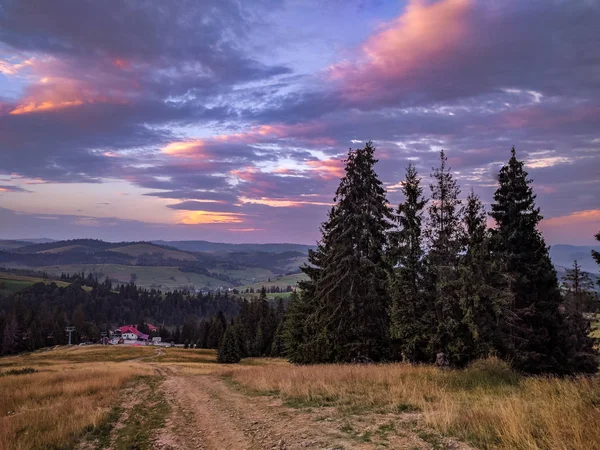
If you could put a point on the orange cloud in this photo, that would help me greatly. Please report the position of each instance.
(208, 217)
(579, 217)
(245, 230)
(44, 106)
(246, 173)
(575, 228)
(185, 148)
(279, 203)
(411, 44)
(328, 168)
(53, 87)
(3, 189)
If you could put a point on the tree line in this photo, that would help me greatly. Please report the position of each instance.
(429, 282)
(36, 317)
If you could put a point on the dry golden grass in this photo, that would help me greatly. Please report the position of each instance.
(73, 390)
(486, 404)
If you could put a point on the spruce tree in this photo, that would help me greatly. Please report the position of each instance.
(579, 289)
(579, 297)
(345, 305)
(445, 238)
(536, 341)
(296, 328)
(484, 287)
(229, 350)
(410, 307)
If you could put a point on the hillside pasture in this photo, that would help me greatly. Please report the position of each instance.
(282, 282)
(11, 283)
(65, 249)
(159, 277)
(136, 250)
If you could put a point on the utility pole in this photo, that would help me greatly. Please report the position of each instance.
(70, 331)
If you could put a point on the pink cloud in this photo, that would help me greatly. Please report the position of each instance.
(328, 168)
(421, 40)
(575, 228)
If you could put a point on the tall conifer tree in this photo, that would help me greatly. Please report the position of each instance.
(484, 293)
(445, 238)
(346, 299)
(410, 307)
(537, 342)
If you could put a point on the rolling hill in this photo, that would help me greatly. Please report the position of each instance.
(161, 266)
(563, 256)
(136, 250)
(216, 247)
(10, 282)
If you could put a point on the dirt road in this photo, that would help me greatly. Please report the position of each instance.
(208, 413)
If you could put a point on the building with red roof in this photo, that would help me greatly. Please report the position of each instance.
(131, 332)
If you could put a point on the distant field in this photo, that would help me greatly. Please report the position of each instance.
(159, 277)
(248, 274)
(11, 245)
(10, 283)
(282, 282)
(66, 248)
(136, 250)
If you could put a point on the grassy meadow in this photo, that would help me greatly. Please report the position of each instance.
(159, 277)
(71, 390)
(11, 283)
(56, 398)
(283, 282)
(487, 405)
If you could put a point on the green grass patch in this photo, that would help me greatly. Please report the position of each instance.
(11, 283)
(144, 419)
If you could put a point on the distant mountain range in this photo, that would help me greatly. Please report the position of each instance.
(162, 264)
(216, 247)
(564, 255)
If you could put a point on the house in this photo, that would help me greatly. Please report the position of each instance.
(131, 333)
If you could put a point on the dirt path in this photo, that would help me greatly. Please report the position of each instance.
(207, 413)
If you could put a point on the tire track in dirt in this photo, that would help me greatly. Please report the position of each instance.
(207, 414)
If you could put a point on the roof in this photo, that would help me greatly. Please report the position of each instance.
(134, 330)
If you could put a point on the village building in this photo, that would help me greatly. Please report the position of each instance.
(128, 334)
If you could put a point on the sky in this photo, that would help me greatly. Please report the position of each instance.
(228, 120)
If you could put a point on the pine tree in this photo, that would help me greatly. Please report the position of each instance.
(229, 350)
(536, 343)
(346, 301)
(11, 339)
(296, 340)
(579, 289)
(579, 296)
(445, 238)
(484, 291)
(410, 307)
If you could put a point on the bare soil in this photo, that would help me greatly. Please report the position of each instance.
(207, 412)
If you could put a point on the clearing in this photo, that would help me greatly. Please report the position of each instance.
(119, 397)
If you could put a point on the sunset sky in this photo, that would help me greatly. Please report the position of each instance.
(228, 121)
